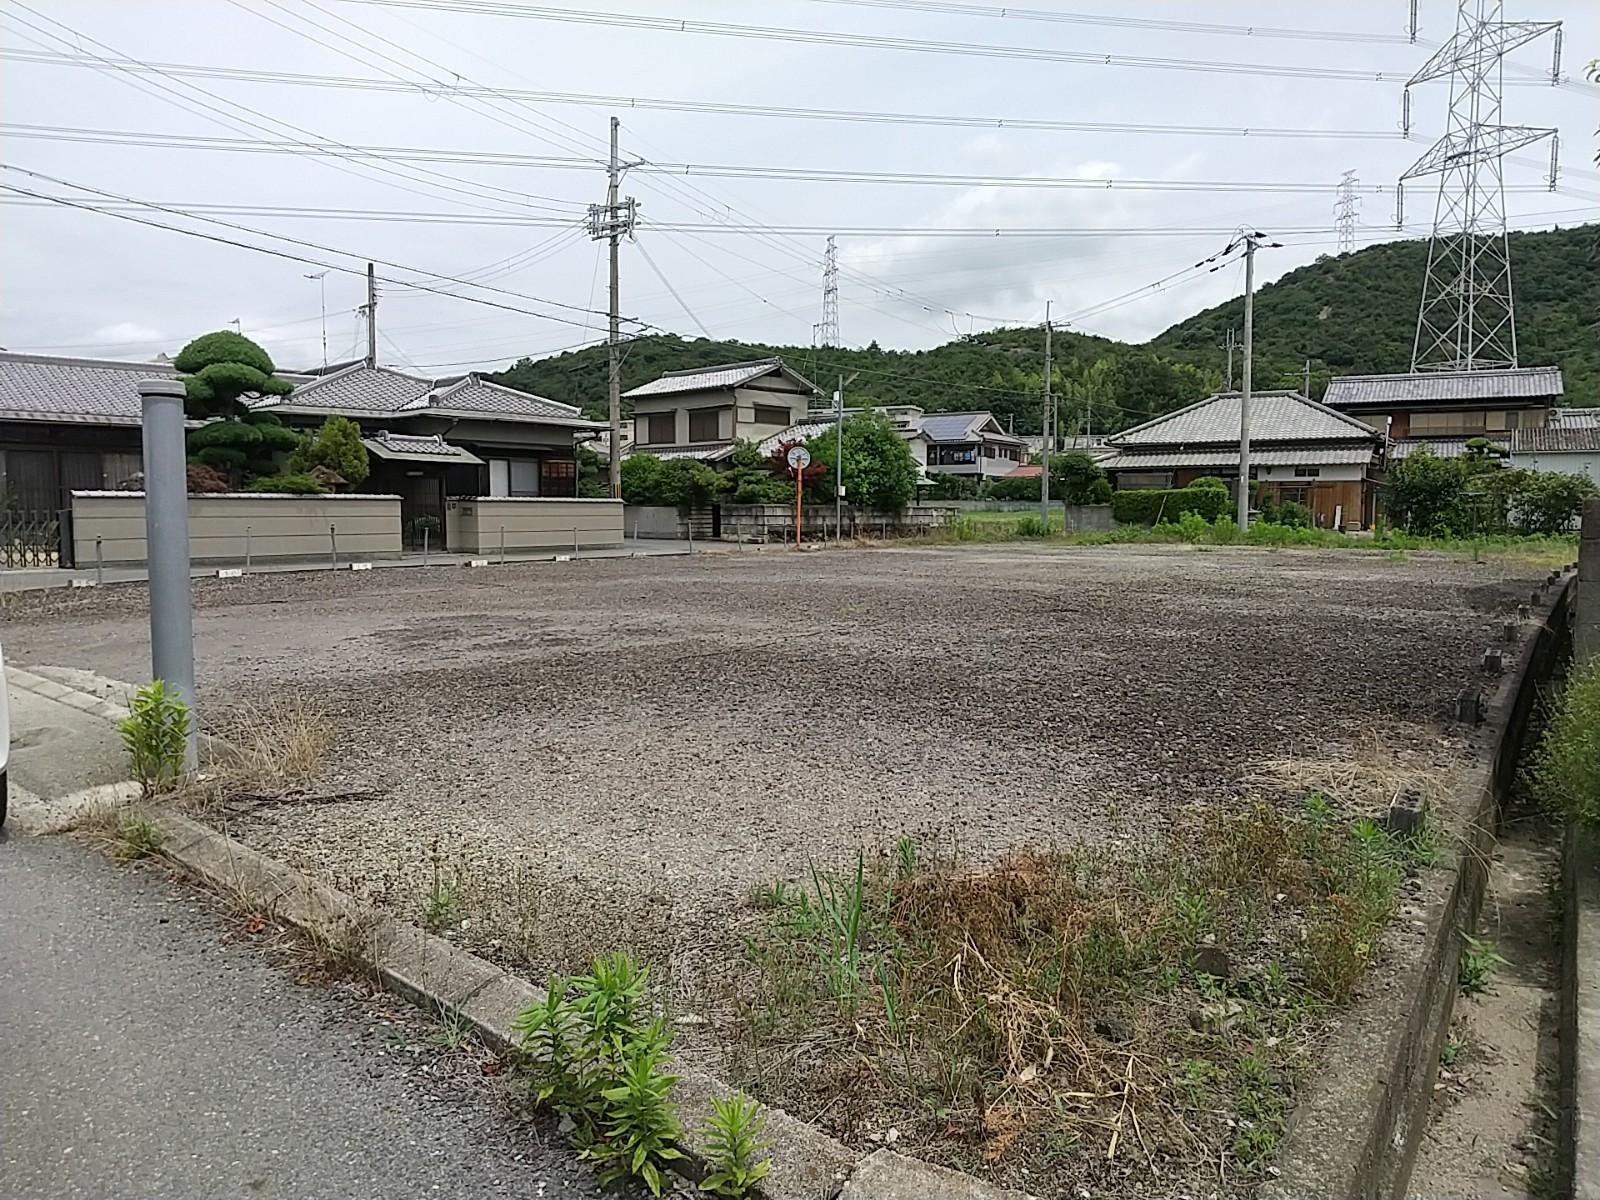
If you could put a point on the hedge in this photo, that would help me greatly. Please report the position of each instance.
(1147, 506)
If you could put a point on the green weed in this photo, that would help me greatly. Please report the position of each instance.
(1479, 961)
(136, 838)
(156, 735)
(734, 1146)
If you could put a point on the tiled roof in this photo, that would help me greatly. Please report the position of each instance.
(1160, 460)
(1575, 418)
(1430, 387)
(706, 379)
(43, 387)
(382, 391)
(1444, 447)
(414, 447)
(1274, 417)
(1561, 439)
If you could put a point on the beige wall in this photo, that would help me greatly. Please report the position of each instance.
(473, 526)
(280, 527)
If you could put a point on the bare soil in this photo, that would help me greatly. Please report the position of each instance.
(1492, 1132)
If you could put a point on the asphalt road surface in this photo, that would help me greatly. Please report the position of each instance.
(151, 1048)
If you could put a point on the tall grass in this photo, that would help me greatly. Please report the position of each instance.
(1565, 771)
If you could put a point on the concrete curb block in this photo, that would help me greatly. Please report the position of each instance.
(49, 689)
(436, 975)
(1356, 1134)
(1579, 1070)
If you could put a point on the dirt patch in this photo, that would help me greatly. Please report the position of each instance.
(1493, 1127)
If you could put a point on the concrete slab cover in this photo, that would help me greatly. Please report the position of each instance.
(886, 1175)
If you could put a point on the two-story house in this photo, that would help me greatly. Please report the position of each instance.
(971, 443)
(695, 414)
(1444, 410)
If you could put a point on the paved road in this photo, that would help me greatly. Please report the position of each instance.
(149, 1048)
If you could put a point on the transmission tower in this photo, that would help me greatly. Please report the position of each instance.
(828, 334)
(1466, 321)
(1347, 212)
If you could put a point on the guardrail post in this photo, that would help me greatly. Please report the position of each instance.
(424, 545)
(502, 545)
(574, 541)
(100, 560)
(333, 547)
(247, 549)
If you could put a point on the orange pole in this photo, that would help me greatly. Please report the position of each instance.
(798, 476)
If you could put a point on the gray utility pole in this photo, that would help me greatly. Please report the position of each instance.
(608, 222)
(1228, 387)
(838, 458)
(1048, 426)
(1307, 392)
(1250, 241)
(166, 531)
(370, 308)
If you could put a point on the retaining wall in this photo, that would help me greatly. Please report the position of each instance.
(1586, 632)
(653, 521)
(1355, 1134)
(223, 528)
(482, 525)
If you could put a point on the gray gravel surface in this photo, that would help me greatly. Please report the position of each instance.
(619, 750)
(152, 1049)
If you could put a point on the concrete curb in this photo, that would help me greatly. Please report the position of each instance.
(27, 681)
(1580, 1012)
(1355, 1136)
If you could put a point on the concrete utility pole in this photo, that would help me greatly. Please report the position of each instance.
(322, 280)
(614, 334)
(838, 458)
(166, 531)
(1307, 392)
(1244, 394)
(1228, 387)
(370, 308)
(609, 222)
(1049, 426)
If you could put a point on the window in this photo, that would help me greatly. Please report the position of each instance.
(705, 424)
(767, 414)
(513, 477)
(655, 429)
(558, 477)
(1444, 423)
(1307, 472)
(1513, 419)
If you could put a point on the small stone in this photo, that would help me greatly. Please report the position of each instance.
(566, 1124)
(1113, 1028)
(891, 1136)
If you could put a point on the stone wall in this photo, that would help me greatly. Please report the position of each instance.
(225, 528)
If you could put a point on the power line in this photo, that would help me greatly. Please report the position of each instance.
(706, 107)
(667, 283)
(222, 115)
(71, 203)
(819, 37)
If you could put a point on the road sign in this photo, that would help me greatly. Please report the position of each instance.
(799, 458)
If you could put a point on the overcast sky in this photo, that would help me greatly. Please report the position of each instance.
(78, 282)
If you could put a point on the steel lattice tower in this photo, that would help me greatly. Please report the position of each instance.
(828, 333)
(1467, 320)
(1347, 212)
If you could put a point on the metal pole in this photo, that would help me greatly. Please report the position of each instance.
(574, 541)
(424, 545)
(333, 548)
(798, 476)
(614, 337)
(838, 458)
(502, 545)
(1048, 428)
(372, 316)
(247, 549)
(166, 531)
(100, 558)
(1244, 395)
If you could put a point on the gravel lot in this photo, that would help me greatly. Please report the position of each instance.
(636, 743)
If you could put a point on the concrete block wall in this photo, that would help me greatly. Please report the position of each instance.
(474, 525)
(1586, 631)
(654, 521)
(275, 528)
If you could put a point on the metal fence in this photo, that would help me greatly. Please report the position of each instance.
(33, 539)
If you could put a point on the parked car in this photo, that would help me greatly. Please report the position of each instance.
(5, 739)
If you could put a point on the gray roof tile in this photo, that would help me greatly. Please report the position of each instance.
(415, 447)
(42, 387)
(1274, 417)
(707, 379)
(1575, 418)
(1559, 439)
(382, 391)
(1432, 387)
(1159, 460)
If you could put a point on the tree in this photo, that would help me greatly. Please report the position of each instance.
(748, 478)
(593, 480)
(1074, 479)
(335, 447)
(674, 482)
(219, 370)
(1427, 495)
(879, 472)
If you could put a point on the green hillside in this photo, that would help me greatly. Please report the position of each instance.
(1349, 315)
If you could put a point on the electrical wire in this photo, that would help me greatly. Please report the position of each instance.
(711, 108)
(820, 37)
(667, 283)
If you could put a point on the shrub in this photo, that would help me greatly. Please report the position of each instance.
(1022, 487)
(293, 485)
(673, 482)
(1565, 771)
(1210, 483)
(1032, 527)
(1428, 495)
(879, 471)
(1148, 506)
(336, 446)
(204, 480)
(1292, 512)
(156, 734)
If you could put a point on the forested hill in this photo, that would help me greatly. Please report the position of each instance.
(1351, 314)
